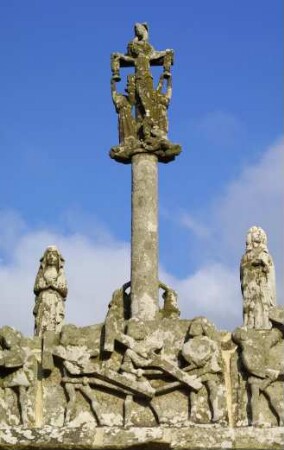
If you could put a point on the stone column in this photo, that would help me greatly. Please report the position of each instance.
(144, 237)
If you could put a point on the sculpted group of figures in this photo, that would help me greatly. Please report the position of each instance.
(142, 110)
(126, 372)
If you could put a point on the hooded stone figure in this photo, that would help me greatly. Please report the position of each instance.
(51, 290)
(257, 275)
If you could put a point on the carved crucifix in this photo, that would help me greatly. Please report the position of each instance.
(143, 141)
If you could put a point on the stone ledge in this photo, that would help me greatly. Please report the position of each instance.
(158, 438)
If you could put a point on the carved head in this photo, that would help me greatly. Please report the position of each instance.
(137, 330)
(52, 257)
(201, 326)
(141, 31)
(256, 237)
(196, 329)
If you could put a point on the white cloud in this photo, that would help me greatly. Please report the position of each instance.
(11, 228)
(255, 198)
(199, 229)
(212, 291)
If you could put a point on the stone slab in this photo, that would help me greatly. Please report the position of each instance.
(174, 438)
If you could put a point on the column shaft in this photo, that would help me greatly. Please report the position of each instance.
(144, 237)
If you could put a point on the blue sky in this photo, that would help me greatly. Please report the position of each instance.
(57, 123)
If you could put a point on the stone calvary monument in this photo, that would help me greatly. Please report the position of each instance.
(145, 379)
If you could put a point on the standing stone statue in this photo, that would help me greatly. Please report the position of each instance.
(257, 280)
(126, 123)
(51, 290)
(162, 101)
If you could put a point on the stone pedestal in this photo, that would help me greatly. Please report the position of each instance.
(144, 232)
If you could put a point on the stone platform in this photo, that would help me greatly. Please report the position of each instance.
(151, 438)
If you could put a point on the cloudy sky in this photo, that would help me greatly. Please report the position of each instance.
(57, 123)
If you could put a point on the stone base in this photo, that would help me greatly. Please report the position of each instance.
(158, 438)
(165, 151)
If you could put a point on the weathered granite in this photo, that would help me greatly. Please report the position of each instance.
(51, 290)
(259, 386)
(257, 281)
(165, 381)
(144, 237)
(148, 438)
(19, 357)
(142, 111)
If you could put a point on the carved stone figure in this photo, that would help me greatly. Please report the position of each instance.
(154, 128)
(257, 280)
(150, 105)
(51, 290)
(161, 103)
(85, 371)
(141, 51)
(140, 54)
(126, 123)
(170, 309)
(138, 47)
(261, 355)
(118, 312)
(144, 358)
(202, 352)
(16, 371)
(146, 352)
(78, 364)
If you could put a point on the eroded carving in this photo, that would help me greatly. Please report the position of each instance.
(51, 290)
(127, 126)
(257, 281)
(202, 352)
(118, 313)
(18, 374)
(147, 132)
(170, 308)
(261, 353)
(78, 363)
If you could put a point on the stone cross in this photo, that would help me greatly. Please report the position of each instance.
(143, 141)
